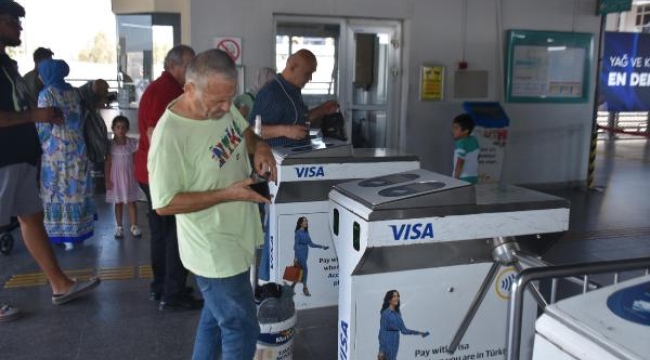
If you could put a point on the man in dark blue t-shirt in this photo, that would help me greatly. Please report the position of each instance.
(20, 153)
(285, 117)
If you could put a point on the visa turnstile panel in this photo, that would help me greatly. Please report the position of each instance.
(429, 237)
(306, 174)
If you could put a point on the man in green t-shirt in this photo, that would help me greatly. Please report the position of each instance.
(199, 171)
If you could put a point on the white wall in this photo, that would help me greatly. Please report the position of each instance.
(547, 144)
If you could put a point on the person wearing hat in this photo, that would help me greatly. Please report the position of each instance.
(33, 82)
(20, 152)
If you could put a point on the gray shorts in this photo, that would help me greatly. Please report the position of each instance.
(18, 191)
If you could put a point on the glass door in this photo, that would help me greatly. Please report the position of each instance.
(143, 43)
(373, 65)
(358, 64)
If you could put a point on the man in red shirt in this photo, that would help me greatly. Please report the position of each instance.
(169, 275)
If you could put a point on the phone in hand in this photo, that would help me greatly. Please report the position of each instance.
(260, 185)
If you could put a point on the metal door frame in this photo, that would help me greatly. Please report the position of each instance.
(348, 27)
(394, 88)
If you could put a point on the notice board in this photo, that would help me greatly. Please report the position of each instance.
(548, 66)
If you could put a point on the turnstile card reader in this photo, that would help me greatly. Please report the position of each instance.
(317, 148)
(430, 238)
(305, 178)
(605, 324)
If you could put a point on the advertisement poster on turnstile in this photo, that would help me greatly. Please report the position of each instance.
(312, 250)
(305, 178)
(491, 131)
(421, 328)
(427, 242)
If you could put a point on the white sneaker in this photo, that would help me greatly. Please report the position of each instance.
(119, 232)
(135, 230)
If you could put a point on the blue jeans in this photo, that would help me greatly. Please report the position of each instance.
(228, 324)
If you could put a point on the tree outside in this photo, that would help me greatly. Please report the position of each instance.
(101, 50)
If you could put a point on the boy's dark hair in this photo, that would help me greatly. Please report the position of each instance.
(41, 54)
(12, 8)
(120, 119)
(465, 122)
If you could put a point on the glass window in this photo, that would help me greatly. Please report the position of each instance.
(87, 43)
(320, 39)
(143, 43)
(282, 51)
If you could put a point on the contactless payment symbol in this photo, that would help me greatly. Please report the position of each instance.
(504, 281)
(632, 303)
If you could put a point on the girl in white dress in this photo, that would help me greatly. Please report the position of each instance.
(121, 185)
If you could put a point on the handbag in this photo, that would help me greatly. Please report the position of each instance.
(293, 273)
(333, 126)
(95, 133)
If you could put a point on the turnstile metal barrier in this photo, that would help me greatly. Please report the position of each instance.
(588, 337)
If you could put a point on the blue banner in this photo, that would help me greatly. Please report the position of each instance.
(625, 73)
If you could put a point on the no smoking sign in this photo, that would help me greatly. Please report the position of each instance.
(230, 45)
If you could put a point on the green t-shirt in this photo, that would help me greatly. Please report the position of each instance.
(192, 156)
(467, 149)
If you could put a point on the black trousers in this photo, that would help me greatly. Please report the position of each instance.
(169, 275)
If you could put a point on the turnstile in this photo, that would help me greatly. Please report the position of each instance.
(605, 324)
(432, 239)
(306, 174)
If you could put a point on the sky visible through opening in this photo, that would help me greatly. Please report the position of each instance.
(66, 27)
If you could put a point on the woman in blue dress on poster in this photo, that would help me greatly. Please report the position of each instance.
(66, 185)
(301, 250)
(391, 325)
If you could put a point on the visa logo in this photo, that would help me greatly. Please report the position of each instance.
(415, 231)
(343, 341)
(310, 171)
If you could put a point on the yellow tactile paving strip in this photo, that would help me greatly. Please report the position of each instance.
(107, 273)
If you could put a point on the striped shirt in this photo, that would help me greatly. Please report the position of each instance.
(280, 103)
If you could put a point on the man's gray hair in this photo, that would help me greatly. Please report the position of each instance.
(209, 63)
(175, 55)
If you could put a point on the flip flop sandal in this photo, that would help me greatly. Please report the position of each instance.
(9, 313)
(78, 289)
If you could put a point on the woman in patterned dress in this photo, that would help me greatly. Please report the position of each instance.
(66, 185)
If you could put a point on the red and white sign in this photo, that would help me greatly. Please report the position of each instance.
(231, 45)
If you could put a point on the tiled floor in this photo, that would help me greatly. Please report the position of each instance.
(119, 322)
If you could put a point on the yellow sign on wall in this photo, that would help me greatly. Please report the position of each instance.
(432, 79)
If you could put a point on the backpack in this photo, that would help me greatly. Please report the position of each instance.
(95, 134)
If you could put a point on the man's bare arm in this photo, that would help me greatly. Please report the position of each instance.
(48, 114)
(295, 132)
(190, 202)
(319, 112)
(263, 160)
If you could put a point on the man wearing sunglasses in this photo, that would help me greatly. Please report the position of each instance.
(20, 153)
